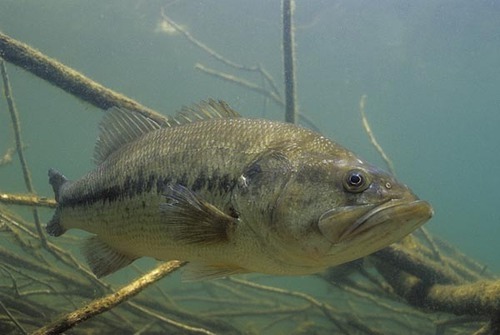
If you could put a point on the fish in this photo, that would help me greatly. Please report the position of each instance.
(229, 195)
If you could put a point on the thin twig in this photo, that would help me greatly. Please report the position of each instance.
(289, 61)
(176, 324)
(370, 134)
(259, 311)
(461, 258)
(212, 53)
(270, 80)
(60, 254)
(13, 319)
(492, 328)
(256, 88)
(203, 46)
(16, 260)
(430, 241)
(19, 148)
(240, 82)
(442, 325)
(329, 311)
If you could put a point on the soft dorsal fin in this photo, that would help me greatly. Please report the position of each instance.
(118, 127)
(205, 110)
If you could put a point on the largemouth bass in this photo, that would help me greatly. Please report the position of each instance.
(229, 195)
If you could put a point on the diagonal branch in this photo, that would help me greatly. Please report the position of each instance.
(106, 303)
(69, 80)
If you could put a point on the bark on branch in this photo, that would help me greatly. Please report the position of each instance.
(69, 80)
(479, 298)
(108, 302)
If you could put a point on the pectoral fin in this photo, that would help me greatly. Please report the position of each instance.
(103, 259)
(193, 220)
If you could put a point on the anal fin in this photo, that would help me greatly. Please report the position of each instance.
(103, 259)
(54, 227)
(194, 271)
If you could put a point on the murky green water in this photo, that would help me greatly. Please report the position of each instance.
(430, 69)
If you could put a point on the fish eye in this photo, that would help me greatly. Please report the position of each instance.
(355, 181)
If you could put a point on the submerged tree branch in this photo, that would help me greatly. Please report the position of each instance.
(69, 80)
(108, 302)
(479, 298)
(27, 200)
(413, 263)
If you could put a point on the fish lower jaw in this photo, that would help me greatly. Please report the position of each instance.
(371, 241)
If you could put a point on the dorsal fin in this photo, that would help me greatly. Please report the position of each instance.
(118, 127)
(205, 110)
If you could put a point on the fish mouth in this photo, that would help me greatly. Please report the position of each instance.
(390, 220)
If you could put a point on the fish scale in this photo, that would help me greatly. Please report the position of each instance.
(228, 194)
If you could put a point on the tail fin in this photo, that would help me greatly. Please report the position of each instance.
(57, 180)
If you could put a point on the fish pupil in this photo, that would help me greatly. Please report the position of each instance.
(355, 179)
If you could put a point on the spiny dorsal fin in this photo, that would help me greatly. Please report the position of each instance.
(121, 126)
(205, 110)
(118, 127)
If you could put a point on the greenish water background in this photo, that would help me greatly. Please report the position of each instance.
(431, 70)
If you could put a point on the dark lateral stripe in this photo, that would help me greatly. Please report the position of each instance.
(132, 187)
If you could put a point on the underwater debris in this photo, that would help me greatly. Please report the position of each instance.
(36, 282)
(165, 27)
(7, 157)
